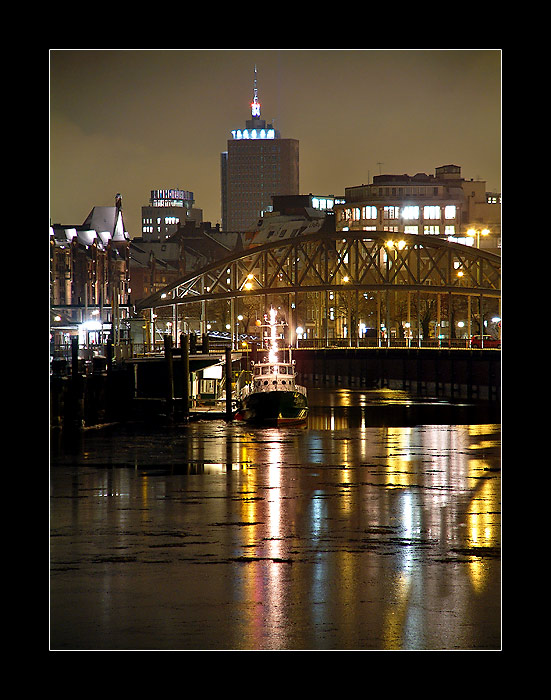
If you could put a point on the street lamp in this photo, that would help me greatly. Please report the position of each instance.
(400, 245)
(236, 342)
(476, 233)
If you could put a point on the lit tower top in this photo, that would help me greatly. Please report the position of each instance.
(256, 127)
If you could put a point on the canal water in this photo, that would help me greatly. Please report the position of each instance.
(375, 526)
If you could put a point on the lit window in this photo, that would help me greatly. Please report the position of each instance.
(431, 230)
(449, 211)
(411, 213)
(391, 212)
(369, 212)
(431, 212)
(464, 241)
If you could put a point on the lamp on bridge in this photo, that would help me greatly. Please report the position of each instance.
(400, 245)
(476, 233)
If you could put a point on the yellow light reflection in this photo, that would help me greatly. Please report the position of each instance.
(483, 522)
(398, 466)
(396, 612)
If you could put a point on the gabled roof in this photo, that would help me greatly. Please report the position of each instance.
(107, 220)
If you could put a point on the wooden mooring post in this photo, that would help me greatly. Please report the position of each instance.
(184, 347)
(167, 339)
(229, 412)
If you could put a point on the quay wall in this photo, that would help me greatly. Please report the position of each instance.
(452, 373)
(124, 392)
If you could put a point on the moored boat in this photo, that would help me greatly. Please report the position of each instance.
(273, 397)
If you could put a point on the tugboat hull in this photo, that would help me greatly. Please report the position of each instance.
(275, 407)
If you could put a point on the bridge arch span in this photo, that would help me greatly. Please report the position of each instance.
(337, 282)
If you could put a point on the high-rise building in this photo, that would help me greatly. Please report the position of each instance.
(257, 165)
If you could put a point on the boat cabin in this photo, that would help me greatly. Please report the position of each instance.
(273, 375)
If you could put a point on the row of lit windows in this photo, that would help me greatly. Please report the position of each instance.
(428, 230)
(167, 203)
(410, 213)
(167, 220)
(448, 231)
(318, 203)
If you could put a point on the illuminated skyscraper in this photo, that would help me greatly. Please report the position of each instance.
(257, 165)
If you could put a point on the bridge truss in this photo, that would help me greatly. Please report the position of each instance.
(333, 283)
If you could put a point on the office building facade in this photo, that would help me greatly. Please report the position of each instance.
(167, 210)
(443, 204)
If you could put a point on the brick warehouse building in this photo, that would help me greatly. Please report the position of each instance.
(89, 274)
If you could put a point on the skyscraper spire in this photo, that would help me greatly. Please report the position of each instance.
(255, 104)
(255, 127)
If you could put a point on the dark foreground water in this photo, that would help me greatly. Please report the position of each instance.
(374, 527)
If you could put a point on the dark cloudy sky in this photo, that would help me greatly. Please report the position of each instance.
(130, 121)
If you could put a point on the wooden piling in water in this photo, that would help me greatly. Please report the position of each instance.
(170, 374)
(184, 346)
(229, 412)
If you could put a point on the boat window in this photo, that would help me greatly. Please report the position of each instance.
(283, 370)
(257, 370)
(265, 370)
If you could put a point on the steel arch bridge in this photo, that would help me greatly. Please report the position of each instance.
(351, 264)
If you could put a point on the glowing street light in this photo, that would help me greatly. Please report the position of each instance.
(476, 233)
(248, 284)
(398, 244)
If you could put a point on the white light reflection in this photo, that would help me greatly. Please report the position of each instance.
(265, 580)
(318, 515)
(276, 602)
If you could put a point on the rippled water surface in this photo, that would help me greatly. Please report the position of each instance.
(374, 526)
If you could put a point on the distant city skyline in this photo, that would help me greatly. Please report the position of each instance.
(132, 121)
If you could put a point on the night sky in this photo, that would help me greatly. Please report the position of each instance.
(130, 121)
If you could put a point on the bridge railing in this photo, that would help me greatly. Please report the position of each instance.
(319, 343)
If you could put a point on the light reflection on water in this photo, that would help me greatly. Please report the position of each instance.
(356, 531)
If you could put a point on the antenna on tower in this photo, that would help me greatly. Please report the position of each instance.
(255, 104)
